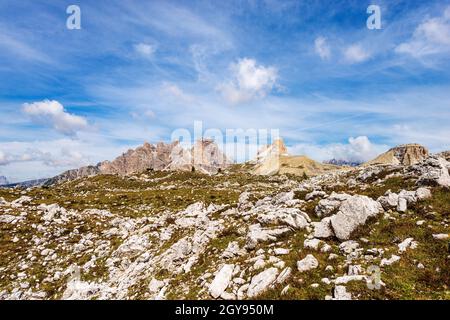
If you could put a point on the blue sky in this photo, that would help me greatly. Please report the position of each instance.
(137, 70)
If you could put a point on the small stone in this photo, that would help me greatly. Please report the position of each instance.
(308, 263)
(284, 275)
(340, 293)
(391, 260)
(227, 296)
(329, 268)
(407, 243)
(312, 244)
(402, 205)
(285, 290)
(354, 270)
(280, 251)
(333, 256)
(441, 236)
(155, 285)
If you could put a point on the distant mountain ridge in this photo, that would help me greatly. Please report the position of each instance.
(341, 162)
(28, 183)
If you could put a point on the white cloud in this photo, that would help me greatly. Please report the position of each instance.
(431, 37)
(322, 48)
(355, 54)
(4, 159)
(144, 49)
(65, 158)
(53, 113)
(172, 90)
(41, 159)
(250, 81)
(359, 149)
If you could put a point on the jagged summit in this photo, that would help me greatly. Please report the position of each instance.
(148, 156)
(276, 149)
(405, 154)
(205, 156)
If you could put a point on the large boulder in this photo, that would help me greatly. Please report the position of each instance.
(353, 213)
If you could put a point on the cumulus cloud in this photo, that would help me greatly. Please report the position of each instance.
(356, 54)
(145, 49)
(322, 48)
(250, 81)
(431, 37)
(359, 149)
(53, 113)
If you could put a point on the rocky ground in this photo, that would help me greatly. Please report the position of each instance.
(374, 232)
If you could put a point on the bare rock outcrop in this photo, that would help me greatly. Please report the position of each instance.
(205, 157)
(406, 154)
(433, 171)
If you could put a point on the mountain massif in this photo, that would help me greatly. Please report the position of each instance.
(204, 156)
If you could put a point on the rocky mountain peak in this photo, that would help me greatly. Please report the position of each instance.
(205, 156)
(409, 154)
(405, 154)
(276, 149)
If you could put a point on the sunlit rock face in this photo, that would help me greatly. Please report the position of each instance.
(406, 154)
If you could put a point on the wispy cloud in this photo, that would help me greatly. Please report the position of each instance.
(431, 37)
(356, 53)
(322, 48)
(145, 49)
(21, 49)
